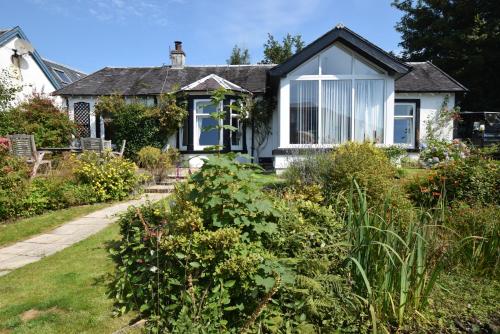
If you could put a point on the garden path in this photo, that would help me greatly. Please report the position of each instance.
(36, 248)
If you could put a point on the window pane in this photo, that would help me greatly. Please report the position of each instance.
(404, 109)
(311, 67)
(205, 107)
(236, 135)
(336, 111)
(63, 76)
(369, 110)
(304, 112)
(403, 131)
(184, 133)
(336, 61)
(361, 67)
(207, 137)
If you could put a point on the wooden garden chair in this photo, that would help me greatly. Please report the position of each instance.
(95, 144)
(122, 149)
(23, 146)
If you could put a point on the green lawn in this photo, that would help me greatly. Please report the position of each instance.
(24, 228)
(63, 293)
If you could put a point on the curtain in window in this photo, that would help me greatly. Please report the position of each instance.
(336, 111)
(369, 110)
(304, 98)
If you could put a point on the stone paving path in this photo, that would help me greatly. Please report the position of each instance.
(37, 247)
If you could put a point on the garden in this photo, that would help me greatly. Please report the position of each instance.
(360, 239)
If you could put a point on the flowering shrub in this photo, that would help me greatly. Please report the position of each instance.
(438, 151)
(112, 178)
(475, 180)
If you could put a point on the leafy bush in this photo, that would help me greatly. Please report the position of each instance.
(157, 162)
(111, 178)
(475, 180)
(196, 264)
(335, 171)
(438, 151)
(141, 125)
(39, 116)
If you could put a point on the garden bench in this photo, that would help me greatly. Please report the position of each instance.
(23, 146)
(95, 144)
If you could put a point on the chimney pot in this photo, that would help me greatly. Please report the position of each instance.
(177, 56)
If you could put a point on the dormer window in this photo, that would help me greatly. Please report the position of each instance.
(62, 75)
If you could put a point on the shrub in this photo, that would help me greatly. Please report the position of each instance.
(439, 151)
(475, 180)
(14, 180)
(38, 115)
(196, 263)
(111, 178)
(157, 162)
(141, 125)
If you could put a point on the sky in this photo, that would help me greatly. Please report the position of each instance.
(91, 34)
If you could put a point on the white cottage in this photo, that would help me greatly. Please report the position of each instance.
(340, 87)
(28, 69)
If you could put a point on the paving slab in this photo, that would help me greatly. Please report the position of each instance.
(36, 248)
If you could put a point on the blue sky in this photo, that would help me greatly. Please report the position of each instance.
(91, 34)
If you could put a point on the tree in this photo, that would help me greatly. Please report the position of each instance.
(239, 56)
(276, 53)
(460, 37)
(8, 90)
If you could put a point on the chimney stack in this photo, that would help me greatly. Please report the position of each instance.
(177, 56)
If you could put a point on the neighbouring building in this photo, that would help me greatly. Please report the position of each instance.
(340, 87)
(27, 69)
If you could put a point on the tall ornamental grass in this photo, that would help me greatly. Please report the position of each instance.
(394, 268)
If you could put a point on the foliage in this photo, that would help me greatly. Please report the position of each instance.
(474, 180)
(312, 238)
(157, 162)
(14, 175)
(141, 125)
(111, 178)
(395, 154)
(40, 117)
(461, 37)
(8, 90)
(239, 56)
(365, 163)
(476, 232)
(196, 263)
(276, 52)
(439, 151)
(394, 268)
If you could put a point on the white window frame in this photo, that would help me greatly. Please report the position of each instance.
(285, 99)
(413, 117)
(232, 115)
(197, 130)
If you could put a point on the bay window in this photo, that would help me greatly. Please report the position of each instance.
(336, 97)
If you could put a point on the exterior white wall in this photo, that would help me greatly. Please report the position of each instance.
(430, 104)
(29, 76)
(91, 100)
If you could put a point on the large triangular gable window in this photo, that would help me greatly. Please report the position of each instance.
(337, 96)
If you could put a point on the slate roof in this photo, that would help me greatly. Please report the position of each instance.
(73, 74)
(427, 77)
(155, 80)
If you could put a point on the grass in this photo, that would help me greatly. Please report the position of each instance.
(24, 228)
(63, 293)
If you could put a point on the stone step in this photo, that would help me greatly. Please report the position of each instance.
(159, 189)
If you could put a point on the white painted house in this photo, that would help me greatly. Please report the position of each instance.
(340, 87)
(28, 70)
